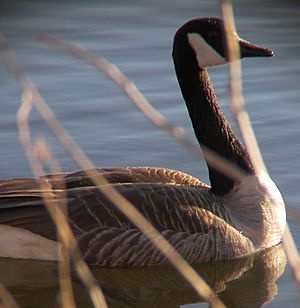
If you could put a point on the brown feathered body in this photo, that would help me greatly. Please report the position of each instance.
(201, 226)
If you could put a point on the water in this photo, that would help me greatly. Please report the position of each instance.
(137, 36)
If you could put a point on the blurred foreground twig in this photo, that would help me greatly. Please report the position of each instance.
(222, 165)
(242, 118)
(54, 201)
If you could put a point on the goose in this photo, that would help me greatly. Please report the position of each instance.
(224, 221)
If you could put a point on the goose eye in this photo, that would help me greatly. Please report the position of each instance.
(213, 35)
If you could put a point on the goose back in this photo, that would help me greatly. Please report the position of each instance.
(188, 215)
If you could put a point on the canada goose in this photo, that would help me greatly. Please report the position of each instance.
(205, 224)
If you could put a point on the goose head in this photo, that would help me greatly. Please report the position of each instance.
(205, 38)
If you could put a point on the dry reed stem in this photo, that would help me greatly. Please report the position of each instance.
(242, 118)
(70, 242)
(141, 103)
(6, 299)
(66, 296)
(120, 202)
(43, 155)
(236, 96)
(28, 102)
(56, 213)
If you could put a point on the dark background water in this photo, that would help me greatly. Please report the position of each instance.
(137, 36)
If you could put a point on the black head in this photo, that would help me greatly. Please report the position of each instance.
(206, 38)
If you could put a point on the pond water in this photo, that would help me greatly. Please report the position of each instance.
(137, 36)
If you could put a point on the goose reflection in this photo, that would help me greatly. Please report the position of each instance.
(245, 282)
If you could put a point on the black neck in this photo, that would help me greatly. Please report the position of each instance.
(211, 127)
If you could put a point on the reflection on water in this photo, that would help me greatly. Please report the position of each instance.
(246, 282)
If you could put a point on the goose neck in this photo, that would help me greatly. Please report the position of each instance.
(210, 125)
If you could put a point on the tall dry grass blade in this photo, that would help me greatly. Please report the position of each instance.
(242, 118)
(127, 208)
(66, 296)
(236, 95)
(70, 242)
(42, 155)
(222, 165)
(28, 102)
(56, 212)
(6, 299)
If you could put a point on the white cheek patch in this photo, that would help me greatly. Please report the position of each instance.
(206, 55)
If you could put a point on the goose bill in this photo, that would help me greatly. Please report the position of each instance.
(250, 50)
